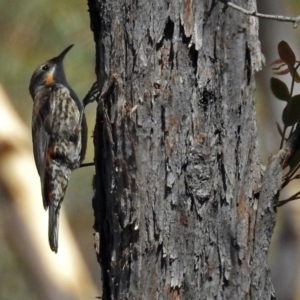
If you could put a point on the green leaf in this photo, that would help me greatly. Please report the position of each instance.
(297, 77)
(279, 89)
(286, 53)
(291, 113)
(294, 73)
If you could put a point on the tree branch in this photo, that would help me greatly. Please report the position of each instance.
(254, 13)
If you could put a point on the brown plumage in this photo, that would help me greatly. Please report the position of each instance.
(59, 134)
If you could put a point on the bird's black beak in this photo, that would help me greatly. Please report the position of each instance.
(61, 56)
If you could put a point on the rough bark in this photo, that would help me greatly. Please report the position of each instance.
(177, 165)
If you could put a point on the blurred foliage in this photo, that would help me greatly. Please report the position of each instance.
(15, 285)
(34, 31)
(287, 64)
(30, 33)
(284, 250)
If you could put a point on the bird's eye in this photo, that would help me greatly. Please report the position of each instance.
(45, 68)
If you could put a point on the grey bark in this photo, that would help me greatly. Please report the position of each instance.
(177, 166)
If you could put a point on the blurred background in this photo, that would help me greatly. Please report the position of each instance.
(284, 255)
(30, 33)
(34, 31)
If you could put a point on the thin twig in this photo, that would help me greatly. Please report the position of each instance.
(288, 178)
(283, 137)
(87, 165)
(294, 178)
(254, 13)
(282, 202)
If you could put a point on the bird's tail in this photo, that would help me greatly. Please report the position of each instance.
(56, 183)
(53, 226)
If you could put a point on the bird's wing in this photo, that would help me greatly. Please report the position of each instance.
(40, 135)
(83, 124)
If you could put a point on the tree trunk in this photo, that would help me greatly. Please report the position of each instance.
(177, 166)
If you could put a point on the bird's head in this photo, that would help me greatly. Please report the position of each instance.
(49, 72)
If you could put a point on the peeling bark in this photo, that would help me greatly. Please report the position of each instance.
(177, 164)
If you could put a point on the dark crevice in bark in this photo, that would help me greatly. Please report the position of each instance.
(160, 255)
(102, 177)
(237, 162)
(171, 57)
(248, 68)
(209, 12)
(215, 58)
(207, 98)
(158, 46)
(169, 30)
(185, 40)
(163, 120)
(220, 159)
(168, 33)
(193, 54)
(130, 56)
(150, 40)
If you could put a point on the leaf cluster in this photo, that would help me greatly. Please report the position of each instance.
(287, 64)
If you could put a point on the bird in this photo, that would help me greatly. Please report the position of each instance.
(59, 135)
